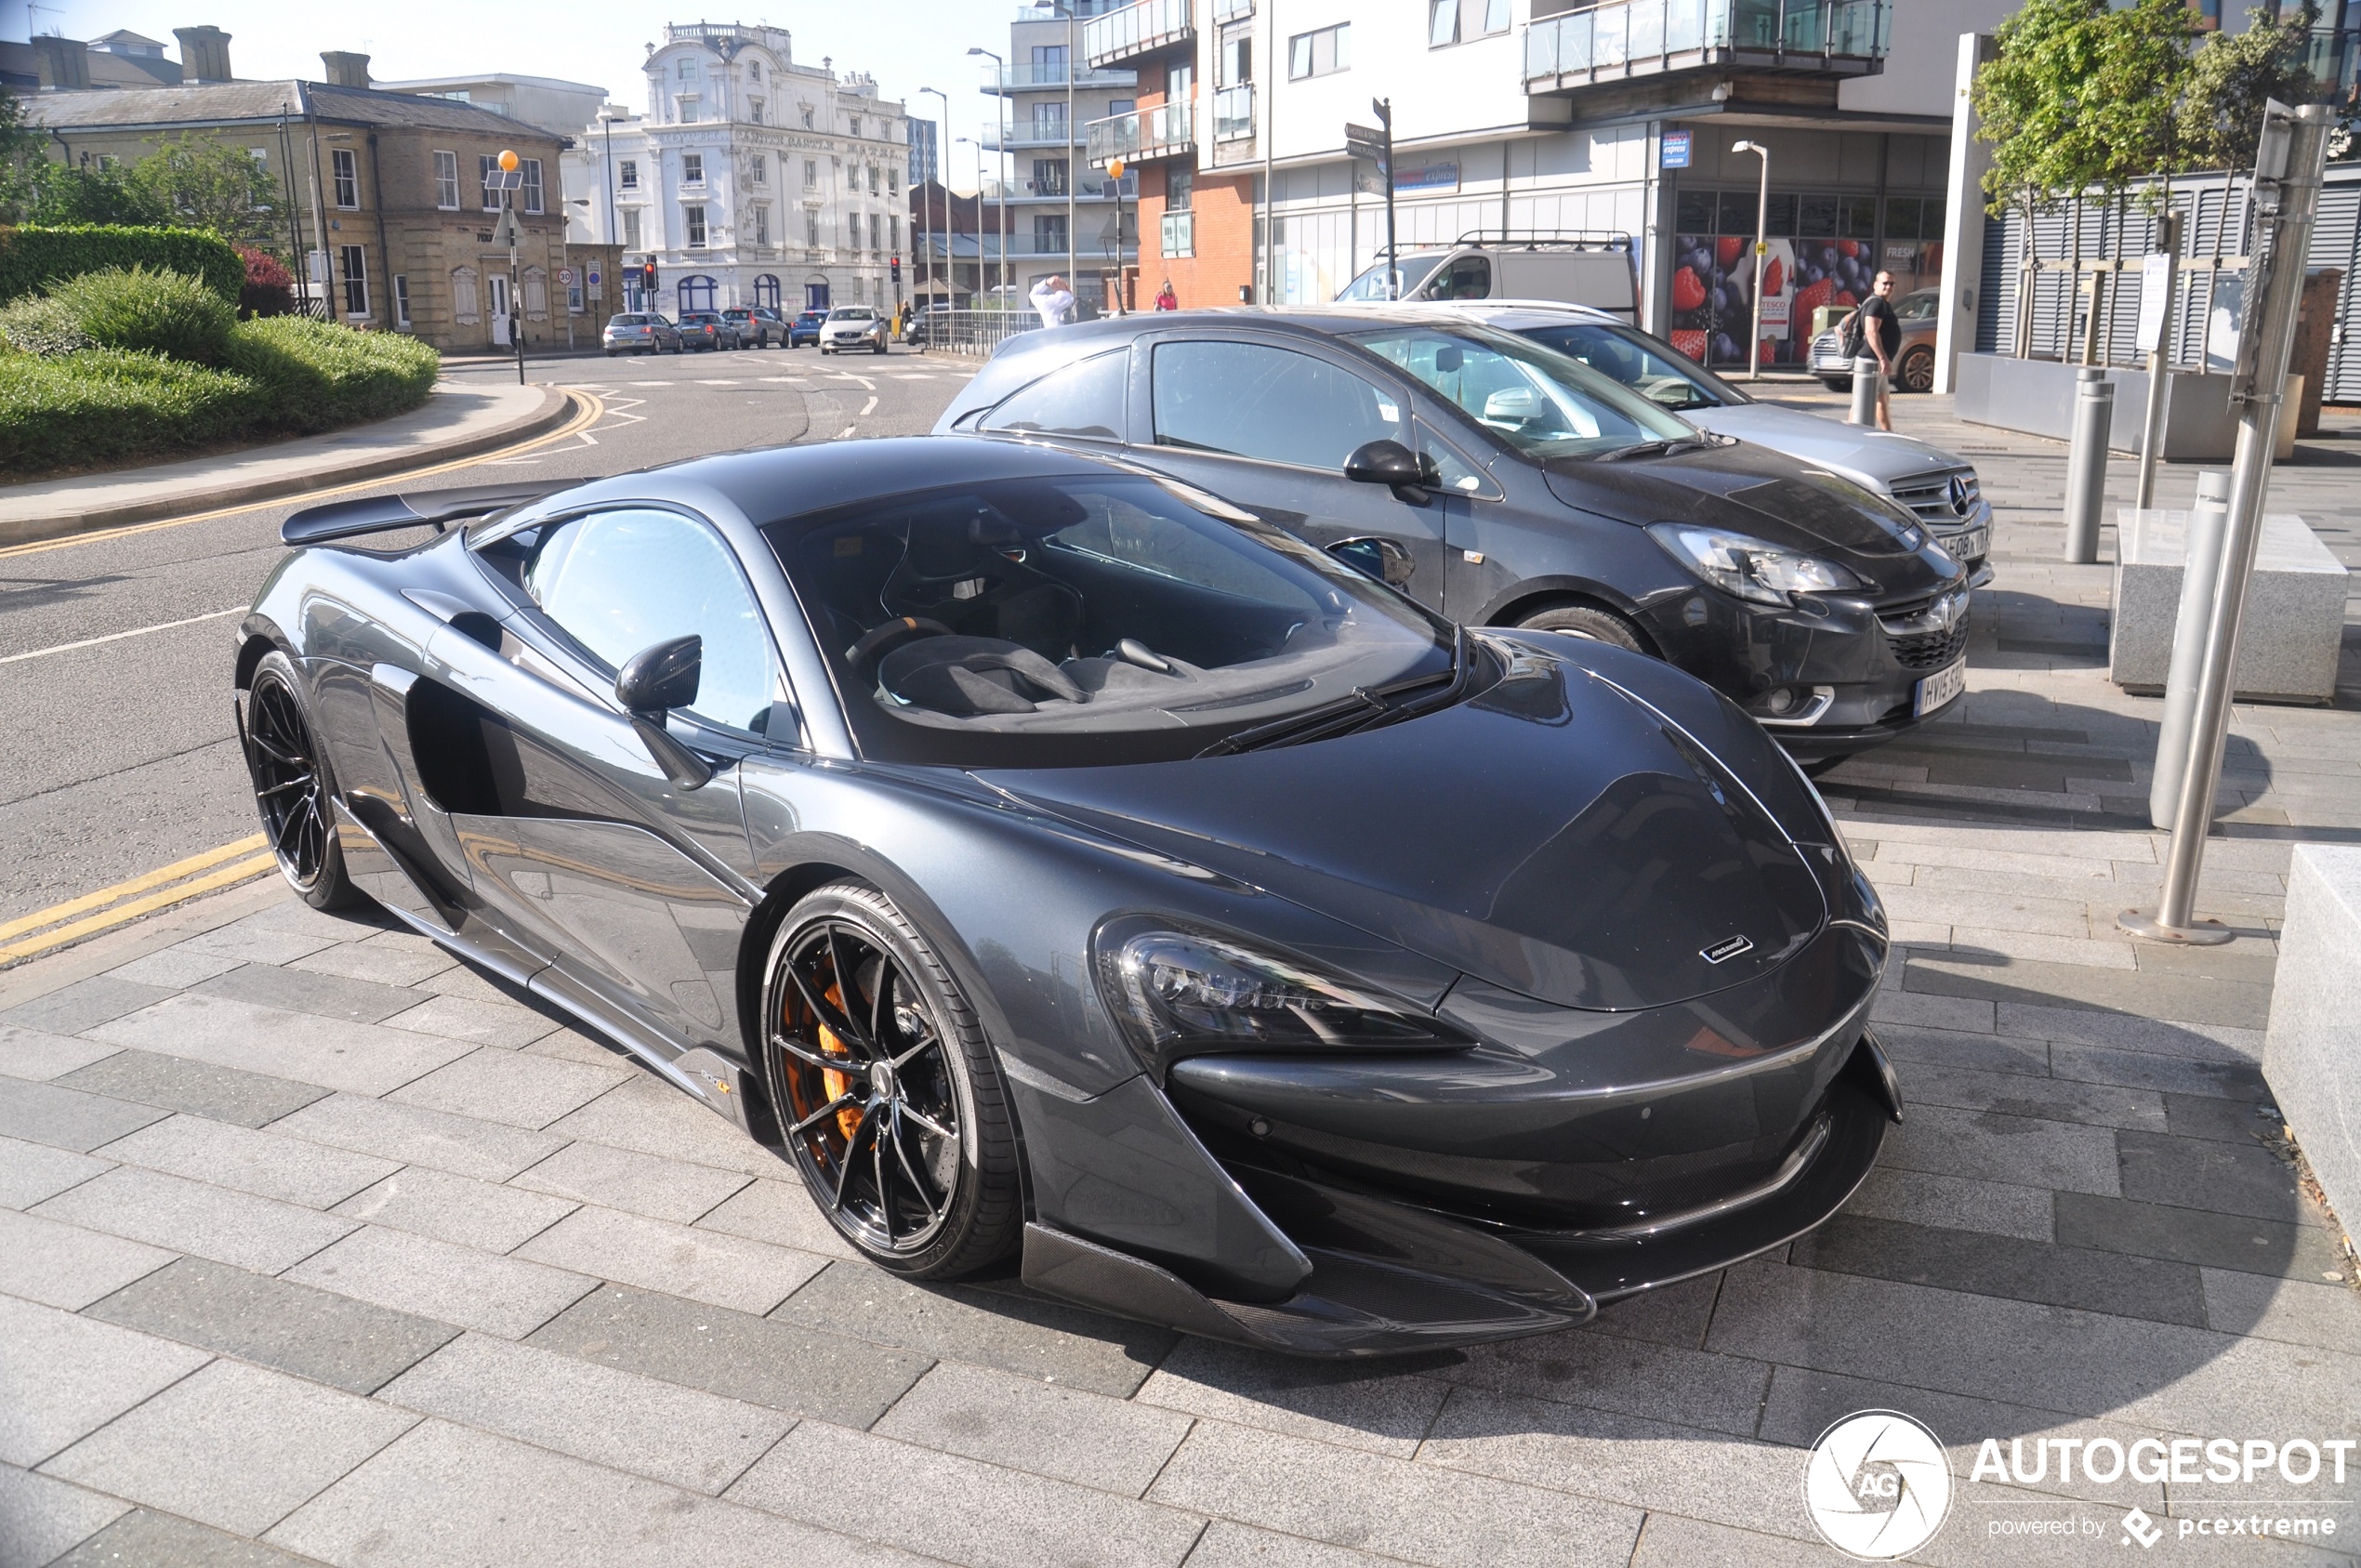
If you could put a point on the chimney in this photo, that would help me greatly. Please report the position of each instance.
(346, 69)
(204, 54)
(65, 63)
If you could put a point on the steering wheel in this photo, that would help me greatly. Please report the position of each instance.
(879, 639)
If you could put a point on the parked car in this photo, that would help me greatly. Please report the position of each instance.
(805, 328)
(1503, 483)
(639, 332)
(758, 327)
(854, 327)
(1921, 313)
(1941, 490)
(1597, 272)
(707, 330)
(1095, 938)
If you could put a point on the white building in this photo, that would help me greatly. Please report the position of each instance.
(541, 102)
(748, 178)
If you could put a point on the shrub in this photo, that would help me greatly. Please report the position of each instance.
(43, 325)
(316, 374)
(270, 287)
(106, 406)
(144, 312)
(33, 258)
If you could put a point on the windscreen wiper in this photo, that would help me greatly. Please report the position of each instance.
(1653, 448)
(1357, 709)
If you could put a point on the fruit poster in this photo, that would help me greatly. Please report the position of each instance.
(1713, 293)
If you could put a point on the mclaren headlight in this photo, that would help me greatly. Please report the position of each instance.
(1180, 992)
(1750, 568)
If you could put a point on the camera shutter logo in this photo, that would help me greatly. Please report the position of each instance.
(1877, 1485)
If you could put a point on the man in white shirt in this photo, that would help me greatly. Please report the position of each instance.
(1053, 300)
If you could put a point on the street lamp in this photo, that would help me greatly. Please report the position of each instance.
(943, 174)
(1762, 250)
(1008, 177)
(1115, 188)
(983, 284)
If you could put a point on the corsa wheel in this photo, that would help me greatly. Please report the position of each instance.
(1583, 621)
(888, 1095)
(292, 788)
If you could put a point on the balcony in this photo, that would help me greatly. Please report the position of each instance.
(1026, 138)
(1137, 29)
(1161, 132)
(1026, 78)
(1090, 187)
(1234, 112)
(1623, 39)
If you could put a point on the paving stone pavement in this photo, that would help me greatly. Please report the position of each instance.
(316, 1245)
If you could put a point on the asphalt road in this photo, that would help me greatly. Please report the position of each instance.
(120, 757)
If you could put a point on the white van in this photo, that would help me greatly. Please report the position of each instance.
(1596, 270)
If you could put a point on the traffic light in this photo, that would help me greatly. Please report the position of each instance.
(648, 278)
(897, 269)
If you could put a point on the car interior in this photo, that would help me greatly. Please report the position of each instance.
(1088, 604)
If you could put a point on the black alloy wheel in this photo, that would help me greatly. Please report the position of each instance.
(887, 1093)
(292, 788)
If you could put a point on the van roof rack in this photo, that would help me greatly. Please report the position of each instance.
(1548, 238)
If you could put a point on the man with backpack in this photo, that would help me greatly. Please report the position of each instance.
(1873, 328)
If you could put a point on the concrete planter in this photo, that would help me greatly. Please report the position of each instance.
(2037, 397)
(2312, 1055)
(2294, 623)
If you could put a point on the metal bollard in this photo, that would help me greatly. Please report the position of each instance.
(1865, 390)
(2085, 494)
(2200, 580)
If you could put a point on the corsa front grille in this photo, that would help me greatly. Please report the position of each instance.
(1933, 500)
(1930, 650)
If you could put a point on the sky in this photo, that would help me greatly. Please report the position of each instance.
(579, 40)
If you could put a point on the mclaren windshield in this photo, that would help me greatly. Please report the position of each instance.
(1098, 618)
(1538, 401)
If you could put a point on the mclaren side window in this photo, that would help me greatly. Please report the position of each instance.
(618, 581)
(1095, 619)
(1084, 399)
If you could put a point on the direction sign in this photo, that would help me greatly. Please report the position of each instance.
(1363, 142)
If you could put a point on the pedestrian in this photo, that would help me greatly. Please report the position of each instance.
(1053, 300)
(1881, 335)
(1165, 298)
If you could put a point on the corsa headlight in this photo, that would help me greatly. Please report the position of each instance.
(1179, 993)
(1749, 567)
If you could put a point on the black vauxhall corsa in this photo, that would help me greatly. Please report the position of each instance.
(1047, 859)
(1503, 483)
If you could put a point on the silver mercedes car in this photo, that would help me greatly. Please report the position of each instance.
(1939, 488)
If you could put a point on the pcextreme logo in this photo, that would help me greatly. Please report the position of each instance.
(1877, 1485)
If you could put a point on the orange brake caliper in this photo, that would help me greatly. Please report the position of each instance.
(848, 1120)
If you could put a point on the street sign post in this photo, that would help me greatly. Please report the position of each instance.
(1376, 145)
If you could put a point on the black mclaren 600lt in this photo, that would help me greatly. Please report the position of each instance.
(1058, 866)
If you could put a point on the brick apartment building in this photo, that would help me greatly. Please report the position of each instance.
(384, 191)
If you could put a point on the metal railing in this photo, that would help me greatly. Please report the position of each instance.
(1027, 77)
(1631, 37)
(1149, 133)
(1134, 29)
(1234, 112)
(1088, 188)
(1231, 10)
(976, 332)
(1026, 137)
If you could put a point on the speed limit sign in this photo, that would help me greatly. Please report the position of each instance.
(565, 275)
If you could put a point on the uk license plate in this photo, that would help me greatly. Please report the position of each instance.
(1941, 687)
(1968, 544)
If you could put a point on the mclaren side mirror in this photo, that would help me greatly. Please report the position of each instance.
(1411, 474)
(1386, 560)
(655, 681)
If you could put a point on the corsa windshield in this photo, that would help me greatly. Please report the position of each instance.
(1091, 619)
(1536, 399)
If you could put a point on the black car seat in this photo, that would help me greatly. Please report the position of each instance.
(962, 567)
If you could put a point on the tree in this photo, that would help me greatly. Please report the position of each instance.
(36, 189)
(2234, 75)
(212, 185)
(2081, 97)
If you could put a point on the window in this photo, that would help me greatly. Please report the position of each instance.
(1049, 64)
(631, 228)
(811, 230)
(696, 293)
(446, 182)
(1179, 187)
(345, 167)
(805, 110)
(1270, 403)
(692, 220)
(354, 264)
(894, 230)
(1454, 21)
(873, 180)
(1443, 23)
(1319, 54)
(754, 110)
(684, 109)
(692, 168)
(1049, 177)
(1048, 233)
(758, 169)
(1123, 106)
(754, 70)
(761, 225)
(856, 126)
(1081, 400)
(811, 173)
(630, 177)
(766, 292)
(530, 169)
(487, 169)
(893, 180)
(685, 68)
(1237, 60)
(401, 301)
(620, 582)
(1179, 83)
(1048, 122)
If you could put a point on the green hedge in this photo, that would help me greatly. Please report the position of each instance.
(32, 260)
(284, 375)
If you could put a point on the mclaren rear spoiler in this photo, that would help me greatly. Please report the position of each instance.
(381, 514)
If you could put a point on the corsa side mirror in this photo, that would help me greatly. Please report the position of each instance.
(655, 681)
(1411, 474)
(1386, 560)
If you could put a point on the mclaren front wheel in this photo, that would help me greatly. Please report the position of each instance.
(886, 1092)
(293, 788)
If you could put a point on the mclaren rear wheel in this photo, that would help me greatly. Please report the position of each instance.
(292, 788)
(886, 1089)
